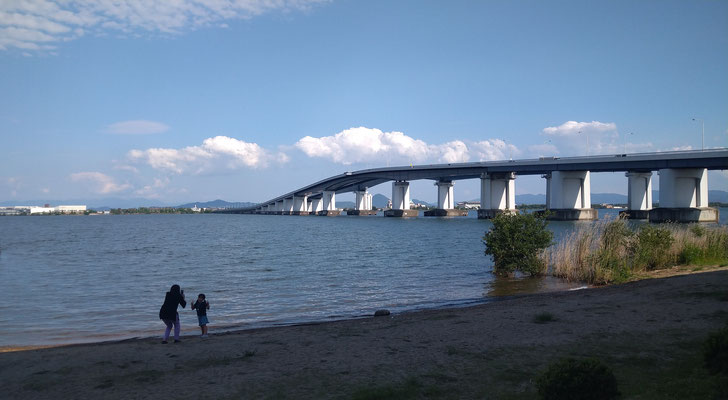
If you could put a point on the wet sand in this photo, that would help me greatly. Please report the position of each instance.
(467, 352)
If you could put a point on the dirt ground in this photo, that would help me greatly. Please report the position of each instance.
(486, 351)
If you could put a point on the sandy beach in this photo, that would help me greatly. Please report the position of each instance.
(491, 350)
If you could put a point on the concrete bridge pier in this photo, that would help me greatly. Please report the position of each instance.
(288, 206)
(400, 201)
(279, 207)
(300, 205)
(684, 197)
(445, 201)
(639, 195)
(497, 194)
(329, 204)
(363, 204)
(568, 196)
(317, 205)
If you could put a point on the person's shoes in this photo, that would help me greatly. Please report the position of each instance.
(177, 341)
(204, 336)
(164, 342)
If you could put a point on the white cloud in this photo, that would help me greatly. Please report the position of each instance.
(37, 24)
(581, 138)
(571, 128)
(493, 149)
(366, 145)
(136, 127)
(152, 191)
(124, 167)
(233, 153)
(101, 183)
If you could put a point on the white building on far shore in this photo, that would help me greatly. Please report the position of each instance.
(52, 210)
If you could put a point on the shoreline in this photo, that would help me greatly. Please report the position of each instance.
(488, 350)
(679, 270)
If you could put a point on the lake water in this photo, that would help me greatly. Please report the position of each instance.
(68, 279)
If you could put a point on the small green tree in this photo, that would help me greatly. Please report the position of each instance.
(515, 241)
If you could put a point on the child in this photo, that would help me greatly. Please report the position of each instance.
(201, 305)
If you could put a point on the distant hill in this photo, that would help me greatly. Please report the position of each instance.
(380, 200)
(529, 199)
(344, 204)
(217, 204)
(720, 196)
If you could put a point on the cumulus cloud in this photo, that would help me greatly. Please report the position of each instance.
(136, 127)
(571, 128)
(230, 152)
(152, 190)
(40, 24)
(359, 145)
(101, 183)
(582, 138)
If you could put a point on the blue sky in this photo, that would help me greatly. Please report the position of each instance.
(245, 100)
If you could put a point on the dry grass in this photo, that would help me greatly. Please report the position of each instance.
(609, 251)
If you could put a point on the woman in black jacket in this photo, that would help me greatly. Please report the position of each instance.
(168, 313)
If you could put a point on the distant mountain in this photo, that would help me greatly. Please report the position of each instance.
(529, 199)
(217, 204)
(720, 196)
(380, 200)
(608, 198)
(417, 201)
(596, 198)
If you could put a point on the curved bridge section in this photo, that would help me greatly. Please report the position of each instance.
(683, 184)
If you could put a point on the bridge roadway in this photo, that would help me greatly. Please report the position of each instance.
(710, 159)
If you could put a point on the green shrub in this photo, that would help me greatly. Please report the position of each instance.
(577, 380)
(691, 254)
(697, 230)
(515, 242)
(650, 251)
(715, 352)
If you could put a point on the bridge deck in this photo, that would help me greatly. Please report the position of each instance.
(712, 159)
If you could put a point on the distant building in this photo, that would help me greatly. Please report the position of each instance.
(42, 210)
(58, 209)
(196, 209)
(469, 205)
(70, 209)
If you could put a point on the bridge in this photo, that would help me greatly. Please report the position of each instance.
(683, 187)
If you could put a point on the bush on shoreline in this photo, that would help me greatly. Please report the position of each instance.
(608, 251)
(516, 242)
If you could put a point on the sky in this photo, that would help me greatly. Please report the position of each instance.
(244, 100)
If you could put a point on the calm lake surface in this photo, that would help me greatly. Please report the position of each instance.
(69, 279)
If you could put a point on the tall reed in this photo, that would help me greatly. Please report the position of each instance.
(608, 250)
